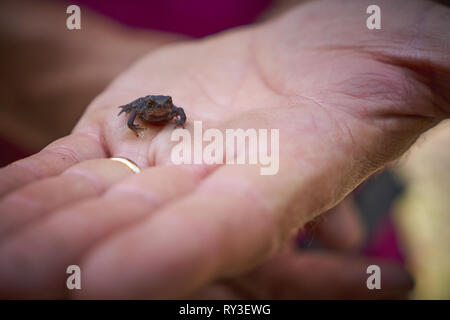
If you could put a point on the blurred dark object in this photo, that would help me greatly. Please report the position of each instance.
(444, 2)
(374, 200)
(375, 197)
(9, 152)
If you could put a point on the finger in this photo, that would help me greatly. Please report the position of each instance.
(86, 179)
(341, 227)
(322, 276)
(52, 160)
(51, 245)
(226, 289)
(232, 221)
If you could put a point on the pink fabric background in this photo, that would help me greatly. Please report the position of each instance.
(195, 18)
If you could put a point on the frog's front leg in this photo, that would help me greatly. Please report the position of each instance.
(179, 112)
(125, 108)
(131, 124)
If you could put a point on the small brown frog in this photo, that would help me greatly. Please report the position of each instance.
(153, 109)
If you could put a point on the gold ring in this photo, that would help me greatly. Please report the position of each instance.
(130, 164)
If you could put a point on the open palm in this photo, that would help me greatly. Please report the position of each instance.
(346, 101)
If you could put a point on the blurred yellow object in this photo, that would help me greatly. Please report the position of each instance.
(423, 213)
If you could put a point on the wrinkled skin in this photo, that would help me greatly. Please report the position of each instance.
(347, 101)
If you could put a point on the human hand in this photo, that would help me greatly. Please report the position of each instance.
(346, 100)
(337, 272)
(290, 274)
